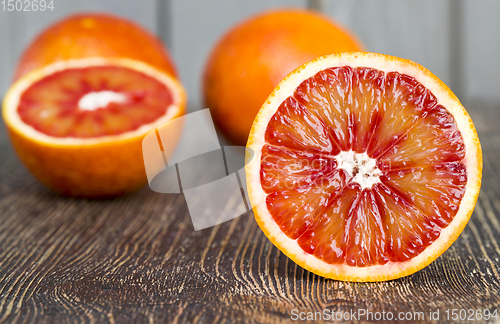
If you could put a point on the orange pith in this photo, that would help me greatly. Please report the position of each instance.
(51, 105)
(366, 167)
(387, 116)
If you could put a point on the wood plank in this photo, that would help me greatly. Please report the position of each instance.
(415, 30)
(196, 27)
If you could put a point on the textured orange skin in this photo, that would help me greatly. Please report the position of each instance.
(253, 57)
(94, 35)
(100, 170)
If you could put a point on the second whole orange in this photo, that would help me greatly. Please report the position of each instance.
(253, 57)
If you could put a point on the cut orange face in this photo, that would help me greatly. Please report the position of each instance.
(78, 125)
(366, 167)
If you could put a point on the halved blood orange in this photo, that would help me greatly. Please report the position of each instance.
(366, 167)
(78, 125)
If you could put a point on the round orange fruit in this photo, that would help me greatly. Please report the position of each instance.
(88, 90)
(253, 57)
(94, 35)
(366, 167)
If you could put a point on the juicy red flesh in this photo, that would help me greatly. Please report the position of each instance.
(51, 105)
(396, 121)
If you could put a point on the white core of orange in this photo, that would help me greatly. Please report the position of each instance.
(360, 166)
(100, 99)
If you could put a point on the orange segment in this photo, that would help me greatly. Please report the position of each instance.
(405, 101)
(296, 127)
(367, 167)
(433, 139)
(408, 231)
(321, 97)
(366, 236)
(285, 169)
(435, 190)
(367, 98)
(295, 210)
(326, 237)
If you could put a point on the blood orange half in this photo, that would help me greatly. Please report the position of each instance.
(78, 125)
(366, 167)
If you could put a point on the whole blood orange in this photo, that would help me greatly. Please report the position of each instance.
(88, 90)
(366, 167)
(250, 60)
(94, 35)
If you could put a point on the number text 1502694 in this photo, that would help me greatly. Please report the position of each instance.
(27, 5)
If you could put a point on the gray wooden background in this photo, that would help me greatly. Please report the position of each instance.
(456, 39)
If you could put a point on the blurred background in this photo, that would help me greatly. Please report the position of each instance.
(456, 39)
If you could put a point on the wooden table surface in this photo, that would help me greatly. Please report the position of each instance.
(137, 259)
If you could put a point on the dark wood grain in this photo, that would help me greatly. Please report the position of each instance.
(137, 259)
